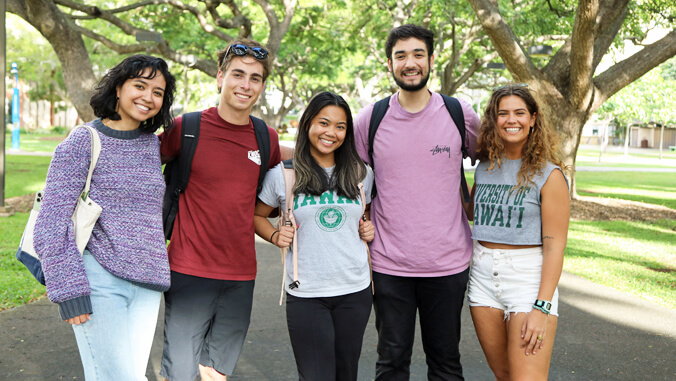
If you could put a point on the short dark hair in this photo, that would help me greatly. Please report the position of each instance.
(224, 62)
(407, 31)
(350, 168)
(104, 100)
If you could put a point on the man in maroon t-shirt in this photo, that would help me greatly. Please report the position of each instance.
(212, 252)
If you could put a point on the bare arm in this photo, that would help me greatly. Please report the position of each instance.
(265, 230)
(469, 206)
(555, 217)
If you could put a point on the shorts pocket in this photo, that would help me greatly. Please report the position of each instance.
(526, 264)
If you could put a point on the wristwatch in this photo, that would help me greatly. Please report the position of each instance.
(543, 306)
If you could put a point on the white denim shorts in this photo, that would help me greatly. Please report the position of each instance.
(507, 279)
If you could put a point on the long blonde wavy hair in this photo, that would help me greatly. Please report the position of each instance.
(541, 147)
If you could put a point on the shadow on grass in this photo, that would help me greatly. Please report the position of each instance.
(663, 231)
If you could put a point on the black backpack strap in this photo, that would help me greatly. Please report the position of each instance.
(455, 109)
(177, 171)
(263, 140)
(288, 163)
(379, 110)
(190, 132)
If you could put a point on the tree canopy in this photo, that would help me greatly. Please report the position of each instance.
(338, 45)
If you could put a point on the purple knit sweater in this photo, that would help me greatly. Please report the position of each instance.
(127, 240)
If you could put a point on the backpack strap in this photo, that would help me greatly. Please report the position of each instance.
(286, 219)
(190, 132)
(379, 110)
(455, 109)
(177, 171)
(263, 140)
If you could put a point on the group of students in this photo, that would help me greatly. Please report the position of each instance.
(420, 241)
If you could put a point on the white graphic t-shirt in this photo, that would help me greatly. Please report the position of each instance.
(332, 259)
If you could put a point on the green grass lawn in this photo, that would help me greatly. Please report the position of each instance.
(17, 285)
(635, 257)
(36, 142)
(25, 174)
(651, 187)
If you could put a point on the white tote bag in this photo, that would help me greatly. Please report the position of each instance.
(84, 217)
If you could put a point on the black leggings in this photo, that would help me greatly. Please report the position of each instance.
(327, 334)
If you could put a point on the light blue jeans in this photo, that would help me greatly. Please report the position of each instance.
(115, 344)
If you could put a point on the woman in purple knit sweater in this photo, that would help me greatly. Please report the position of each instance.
(111, 293)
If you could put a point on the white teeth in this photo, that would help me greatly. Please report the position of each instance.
(242, 96)
(513, 129)
(144, 108)
(326, 141)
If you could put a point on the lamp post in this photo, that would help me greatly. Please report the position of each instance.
(16, 120)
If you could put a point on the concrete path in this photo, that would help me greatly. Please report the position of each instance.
(603, 335)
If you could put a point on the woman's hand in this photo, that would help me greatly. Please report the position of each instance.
(533, 331)
(81, 319)
(284, 237)
(366, 230)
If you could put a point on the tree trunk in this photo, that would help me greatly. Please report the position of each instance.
(568, 124)
(68, 45)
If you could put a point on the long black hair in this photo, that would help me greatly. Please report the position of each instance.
(104, 100)
(349, 170)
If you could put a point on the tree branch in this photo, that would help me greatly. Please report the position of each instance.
(208, 67)
(129, 29)
(625, 72)
(582, 52)
(504, 41)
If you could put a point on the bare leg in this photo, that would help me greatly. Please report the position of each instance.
(491, 329)
(536, 365)
(208, 373)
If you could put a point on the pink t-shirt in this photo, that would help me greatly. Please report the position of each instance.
(421, 228)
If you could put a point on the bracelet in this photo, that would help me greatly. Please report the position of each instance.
(543, 306)
(273, 234)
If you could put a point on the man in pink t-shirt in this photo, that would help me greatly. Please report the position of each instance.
(422, 244)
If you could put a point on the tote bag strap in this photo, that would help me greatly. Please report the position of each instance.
(95, 152)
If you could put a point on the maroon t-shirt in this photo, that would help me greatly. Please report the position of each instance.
(213, 234)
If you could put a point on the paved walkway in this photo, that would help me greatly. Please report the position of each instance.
(603, 335)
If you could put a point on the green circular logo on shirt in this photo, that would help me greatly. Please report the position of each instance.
(330, 218)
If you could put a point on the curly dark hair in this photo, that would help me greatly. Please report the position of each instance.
(541, 147)
(350, 168)
(104, 100)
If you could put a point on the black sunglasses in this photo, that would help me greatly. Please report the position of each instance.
(241, 49)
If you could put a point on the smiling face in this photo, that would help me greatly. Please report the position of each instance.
(410, 64)
(326, 134)
(140, 98)
(514, 122)
(241, 84)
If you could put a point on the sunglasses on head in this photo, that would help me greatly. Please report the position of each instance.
(241, 49)
(511, 85)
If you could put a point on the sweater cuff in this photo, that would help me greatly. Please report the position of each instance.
(75, 307)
